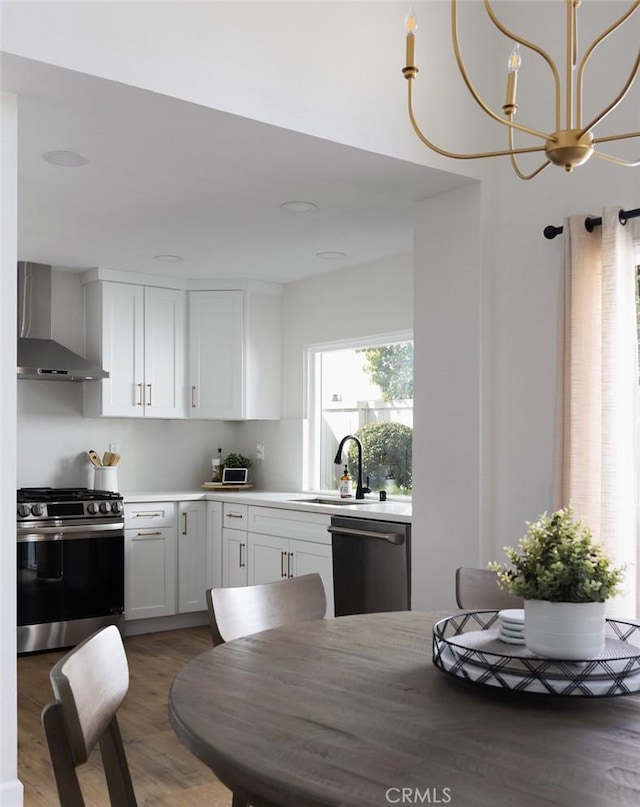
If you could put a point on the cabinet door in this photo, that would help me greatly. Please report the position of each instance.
(192, 556)
(268, 558)
(307, 558)
(216, 355)
(214, 544)
(164, 348)
(234, 558)
(150, 572)
(122, 350)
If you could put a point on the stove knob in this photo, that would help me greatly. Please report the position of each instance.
(116, 507)
(23, 510)
(104, 507)
(37, 509)
(92, 508)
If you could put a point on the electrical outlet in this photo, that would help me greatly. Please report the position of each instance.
(260, 451)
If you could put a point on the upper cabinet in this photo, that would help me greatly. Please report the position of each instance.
(235, 353)
(136, 328)
(137, 333)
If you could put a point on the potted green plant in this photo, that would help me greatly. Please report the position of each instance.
(564, 577)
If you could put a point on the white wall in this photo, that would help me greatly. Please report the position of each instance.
(345, 304)
(10, 787)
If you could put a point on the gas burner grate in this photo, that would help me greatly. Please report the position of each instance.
(44, 494)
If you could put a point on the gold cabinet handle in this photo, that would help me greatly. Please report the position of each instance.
(184, 525)
(139, 401)
(149, 401)
(193, 397)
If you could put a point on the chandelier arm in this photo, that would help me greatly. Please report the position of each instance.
(532, 46)
(610, 138)
(589, 52)
(516, 167)
(472, 89)
(616, 160)
(618, 99)
(443, 153)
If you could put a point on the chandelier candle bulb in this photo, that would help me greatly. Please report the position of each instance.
(411, 25)
(515, 60)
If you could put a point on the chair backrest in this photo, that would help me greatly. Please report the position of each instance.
(89, 684)
(478, 588)
(236, 612)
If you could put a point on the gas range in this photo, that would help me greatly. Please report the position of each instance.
(70, 553)
(67, 504)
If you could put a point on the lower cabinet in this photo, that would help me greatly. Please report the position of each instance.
(193, 577)
(150, 582)
(274, 555)
(168, 559)
(234, 545)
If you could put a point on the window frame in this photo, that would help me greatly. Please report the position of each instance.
(311, 472)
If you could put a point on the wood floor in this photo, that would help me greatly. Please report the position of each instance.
(164, 773)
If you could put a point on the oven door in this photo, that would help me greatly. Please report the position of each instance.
(70, 573)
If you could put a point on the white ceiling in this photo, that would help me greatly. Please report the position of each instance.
(168, 177)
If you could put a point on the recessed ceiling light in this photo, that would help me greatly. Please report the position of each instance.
(168, 258)
(68, 159)
(331, 255)
(298, 207)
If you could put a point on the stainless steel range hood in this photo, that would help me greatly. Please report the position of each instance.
(39, 356)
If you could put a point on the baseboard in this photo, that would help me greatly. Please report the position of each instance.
(135, 627)
(11, 793)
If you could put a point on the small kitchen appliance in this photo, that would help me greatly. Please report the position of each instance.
(70, 558)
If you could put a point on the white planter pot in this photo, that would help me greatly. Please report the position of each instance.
(564, 630)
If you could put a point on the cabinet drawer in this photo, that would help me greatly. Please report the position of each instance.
(290, 524)
(150, 515)
(234, 516)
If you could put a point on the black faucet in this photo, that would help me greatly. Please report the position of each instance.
(360, 490)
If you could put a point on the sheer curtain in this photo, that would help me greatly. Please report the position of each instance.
(599, 385)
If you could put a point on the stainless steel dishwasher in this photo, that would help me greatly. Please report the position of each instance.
(371, 565)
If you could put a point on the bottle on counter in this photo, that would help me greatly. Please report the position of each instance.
(346, 486)
(216, 467)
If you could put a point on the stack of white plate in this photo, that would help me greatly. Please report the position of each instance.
(511, 622)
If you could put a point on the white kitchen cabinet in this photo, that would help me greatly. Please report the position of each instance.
(193, 576)
(287, 543)
(150, 560)
(214, 544)
(137, 334)
(234, 545)
(235, 354)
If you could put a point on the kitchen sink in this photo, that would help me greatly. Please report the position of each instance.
(333, 500)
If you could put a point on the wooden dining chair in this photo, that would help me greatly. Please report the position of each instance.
(241, 611)
(478, 589)
(89, 684)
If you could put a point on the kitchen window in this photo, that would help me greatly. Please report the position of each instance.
(362, 387)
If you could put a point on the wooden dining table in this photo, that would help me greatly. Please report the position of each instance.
(352, 711)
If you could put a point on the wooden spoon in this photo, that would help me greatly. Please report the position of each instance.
(115, 459)
(94, 458)
(106, 459)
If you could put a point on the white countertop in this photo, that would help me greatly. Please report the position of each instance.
(383, 511)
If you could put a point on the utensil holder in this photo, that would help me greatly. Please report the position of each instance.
(105, 478)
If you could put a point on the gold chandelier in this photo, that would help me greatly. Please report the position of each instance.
(572, 142)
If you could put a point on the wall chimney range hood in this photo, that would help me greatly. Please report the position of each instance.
(39, 356)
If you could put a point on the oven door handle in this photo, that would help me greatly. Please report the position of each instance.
(71, 532)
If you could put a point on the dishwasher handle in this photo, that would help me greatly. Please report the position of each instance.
(391, 537)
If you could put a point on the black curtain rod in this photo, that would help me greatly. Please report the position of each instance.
(591, 222)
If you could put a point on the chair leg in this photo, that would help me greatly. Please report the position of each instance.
(116, 768)
(64, 770)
